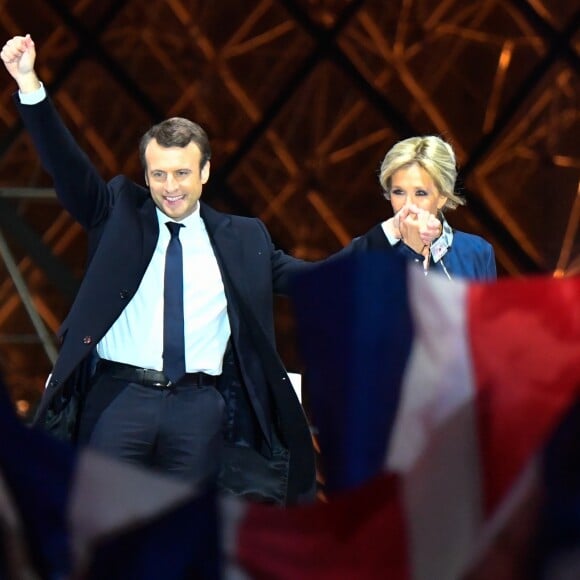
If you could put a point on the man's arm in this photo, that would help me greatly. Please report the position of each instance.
(78, 185)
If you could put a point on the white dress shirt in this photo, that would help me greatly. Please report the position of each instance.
(136, 337)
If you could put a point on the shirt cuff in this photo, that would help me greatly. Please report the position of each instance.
(390, 237)
(33, 97)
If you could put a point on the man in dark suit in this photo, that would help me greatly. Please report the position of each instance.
(161, 393)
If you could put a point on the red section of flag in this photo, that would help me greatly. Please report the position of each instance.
(358, 534)
(525, 341)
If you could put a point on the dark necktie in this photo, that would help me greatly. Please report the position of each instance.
(173, 317)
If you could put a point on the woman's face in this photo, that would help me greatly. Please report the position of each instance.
(413, 185)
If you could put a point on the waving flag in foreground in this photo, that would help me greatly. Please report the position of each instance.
(435, 397)
(436, 404)
(68, 514)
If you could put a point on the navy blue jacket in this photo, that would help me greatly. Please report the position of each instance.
(468, 256)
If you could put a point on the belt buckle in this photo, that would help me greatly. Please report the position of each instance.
(159, 384)
(162, 385)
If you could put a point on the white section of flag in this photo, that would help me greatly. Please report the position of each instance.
(434, 446)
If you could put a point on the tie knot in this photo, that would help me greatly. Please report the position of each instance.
(174, 228)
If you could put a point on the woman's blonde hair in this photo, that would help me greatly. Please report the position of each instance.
(431, 153)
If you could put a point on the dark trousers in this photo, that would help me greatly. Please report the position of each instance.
(177, 430)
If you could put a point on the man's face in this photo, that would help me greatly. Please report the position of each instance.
(174, 178)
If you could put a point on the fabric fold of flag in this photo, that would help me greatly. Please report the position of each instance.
(453, 386)
(78, 514)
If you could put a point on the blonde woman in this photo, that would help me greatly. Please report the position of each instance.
(418, 177)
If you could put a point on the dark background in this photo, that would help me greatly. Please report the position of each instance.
(301, 100)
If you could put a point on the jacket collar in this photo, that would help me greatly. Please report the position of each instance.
(442, 244)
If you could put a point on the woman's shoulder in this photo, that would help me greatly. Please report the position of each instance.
(470, 241)
(472, 256)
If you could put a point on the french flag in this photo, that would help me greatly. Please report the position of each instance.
(67, 514)
(447, 419)
(433, 400)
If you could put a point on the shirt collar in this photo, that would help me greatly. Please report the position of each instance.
(442, 244)
(191, 222)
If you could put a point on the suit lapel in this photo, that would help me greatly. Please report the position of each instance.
(229, 254)
(227, 247)
(149, 225)
(229, 251)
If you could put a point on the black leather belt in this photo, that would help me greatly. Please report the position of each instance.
(152, 378)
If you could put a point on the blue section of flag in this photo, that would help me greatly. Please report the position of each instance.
(38, 470)
(557, 552)
(355, 333)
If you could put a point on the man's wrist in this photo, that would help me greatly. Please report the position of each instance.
(28, 83)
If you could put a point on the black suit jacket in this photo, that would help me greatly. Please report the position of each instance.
(119, 217)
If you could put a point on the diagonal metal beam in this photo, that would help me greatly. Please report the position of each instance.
(91, 45)
(563, 40)
(64, 71)
(37, 250)
(559, 44)
(20, 285)
(27, 193)
(329, 48)
(324, 38)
